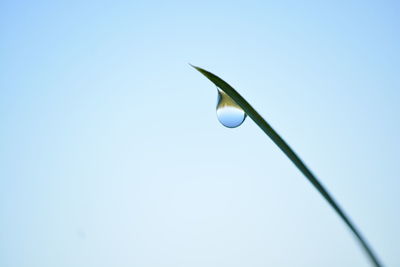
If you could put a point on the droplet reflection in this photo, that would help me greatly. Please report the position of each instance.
(229, 113)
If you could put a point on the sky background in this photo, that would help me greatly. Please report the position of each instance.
(111, 153)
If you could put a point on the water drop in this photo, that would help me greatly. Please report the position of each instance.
(229, 113)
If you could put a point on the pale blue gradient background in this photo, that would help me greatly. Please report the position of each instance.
(111, 153)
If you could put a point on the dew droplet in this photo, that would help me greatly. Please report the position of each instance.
(229, 113)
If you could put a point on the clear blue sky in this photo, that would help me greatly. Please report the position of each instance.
(111, 153)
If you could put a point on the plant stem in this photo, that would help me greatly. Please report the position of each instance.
(256, 117)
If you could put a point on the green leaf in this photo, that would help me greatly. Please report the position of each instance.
(256, 117)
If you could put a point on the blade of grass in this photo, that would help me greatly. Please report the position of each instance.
(256, 117)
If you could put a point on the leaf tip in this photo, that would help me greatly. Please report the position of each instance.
(193, 66)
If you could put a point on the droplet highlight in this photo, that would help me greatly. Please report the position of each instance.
(229, 113)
